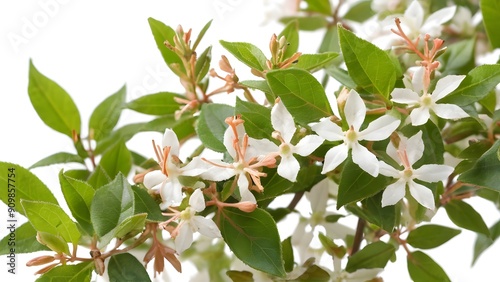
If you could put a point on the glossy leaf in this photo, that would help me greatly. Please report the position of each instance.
(302, 94)
(246, 53)
(291, 33)
(126, 267)
(483, 242)
(98, 178)
(50, 218)
(105, 116)
(240, 276)
(161, 103)
(370, 67)
(211, 125)
(54, 242)
(465, 216)
(78, 196)
(431, 236)
(81, 272)
(356, 184)
(25, 184)
(116, 159)
(314, 62)
(385, 217)
(58, 158)
(144, 203)
(288, 260)
(257, 119)
(313, 273)
(25, 242)
(131, 226)
(490, 9)
(203, 64)
(374, 255)
(476, 85)
(459, 57)
(161, 33)
(486, 170)
(53, 104)
(422, 268)
(111, 205)
(253, 238)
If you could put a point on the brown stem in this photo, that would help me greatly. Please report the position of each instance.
(358, 237)
(295, 200)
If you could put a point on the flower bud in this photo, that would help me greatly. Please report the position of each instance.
(40, 260)
(99, 266)
(246, 206)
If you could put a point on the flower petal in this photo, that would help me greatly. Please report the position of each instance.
(334, 157)
(433, 172)
(318, 196)
(258, 147)
(388, 170)
(419, 116)
(245, 193)
(282, 121)
(365, 159)
(170, 140)
(446, 85)
(328, 130)
(171, 193)
(206, 226)
(417, 80)
(379, 129)
(308, 144)
(195, 167)
(414, 15)
(218, 173)
(432, 24)
(354, 110)
(414, 147)
(153, 178)
(184, 239)
(289, 168)
(405, 96)
(422, 194)
(449, 111)
(393, 193)
(197, 201)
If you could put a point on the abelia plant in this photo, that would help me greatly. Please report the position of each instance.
(403, 122)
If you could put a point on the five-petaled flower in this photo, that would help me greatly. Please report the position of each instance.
(355, 112)
(166, 180)
(428, 102)
(410, 151)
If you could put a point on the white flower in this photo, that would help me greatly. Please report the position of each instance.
(428, 102)
(247, 161)
(355, 112)
(166, 180)
(190, 223)
(414, 24)
(410, 151)
(284, 125)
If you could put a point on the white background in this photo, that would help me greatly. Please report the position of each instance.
(92, 48)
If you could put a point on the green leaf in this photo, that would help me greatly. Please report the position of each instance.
(54, 242)
(50, 218)
(319, 6)
(385, 217)
(302, 94)
(463, 215)
(203, 64)
(483, 242)
(274, 184)
(161, 103)
(424, 269)
(52, 103)
(477, 85)
(330, 42)
(313, 273)
(314, 62)
(78, 196)
(247, 53)
(253, 238)
(240, 276)
(356, 184)
(161, 33)
(25, 241)
(370, 67)
(308, 23)
(58, 158)
(359, 12)
(105, 116)
(98, 178)
(374, 255)
(19, 184)
(211, 125)
(431, 236)
(459, 57)
(117, 159)
(111, 205)
(201, 34)
(490, 10)
(291, 33)
(81, 272)
(123, 133)
(126, 267)
(486, 170)
(341, 76)
(288, 260)
(183, 127)
(144, 203)
(257, 119)
(131, 226)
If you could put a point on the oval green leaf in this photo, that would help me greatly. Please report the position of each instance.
(247, 53)
(211, 125)
(81, 272)
(105, 116)
(422, 268)
(465, 216)
(126, 267)
(431, 236)
(374, 255)
(161, 103)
